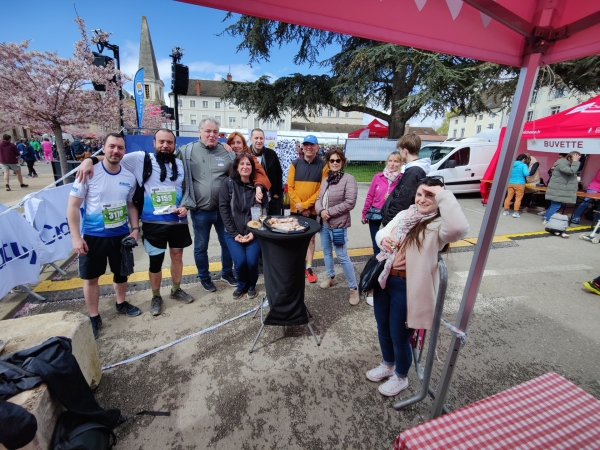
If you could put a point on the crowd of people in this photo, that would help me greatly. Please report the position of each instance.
(217, 184)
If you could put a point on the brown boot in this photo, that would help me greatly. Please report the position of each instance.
(354, 298)
(328, 283)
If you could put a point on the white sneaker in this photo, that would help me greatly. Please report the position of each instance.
(393, 386)
(370, 300)
(516, 214)
(379, 373)
(545, 222)
(505, 213)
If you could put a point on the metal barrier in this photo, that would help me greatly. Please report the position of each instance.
(424, 373)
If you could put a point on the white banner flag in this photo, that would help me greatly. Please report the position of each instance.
(47, 213)
(19, 263)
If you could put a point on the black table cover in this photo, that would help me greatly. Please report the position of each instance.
(283, 267)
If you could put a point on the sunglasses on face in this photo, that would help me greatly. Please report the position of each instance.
(434, 177)
(335, 160)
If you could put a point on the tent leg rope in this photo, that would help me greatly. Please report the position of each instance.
(424, 374)
(514, 129)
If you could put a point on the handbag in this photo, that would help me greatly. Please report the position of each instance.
(374, 214)
(370, 274)
(338, 236)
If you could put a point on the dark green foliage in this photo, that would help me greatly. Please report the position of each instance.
(388, 81)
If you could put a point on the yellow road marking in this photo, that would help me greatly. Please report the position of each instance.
(77, 283)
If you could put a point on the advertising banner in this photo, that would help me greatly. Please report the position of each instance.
(270, 138)
(138, 92)
(19, 263)
(47, 213)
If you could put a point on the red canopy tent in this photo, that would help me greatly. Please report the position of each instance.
(375, 129)
(577, 128)
(527, 34)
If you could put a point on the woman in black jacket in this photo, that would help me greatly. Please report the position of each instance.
(236, 197)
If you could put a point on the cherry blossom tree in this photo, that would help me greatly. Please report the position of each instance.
(154, 118)
(44, 91)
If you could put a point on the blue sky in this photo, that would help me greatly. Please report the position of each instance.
(49, 25)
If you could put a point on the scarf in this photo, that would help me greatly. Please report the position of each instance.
(334, 177)
(391, 176)
(409, 218)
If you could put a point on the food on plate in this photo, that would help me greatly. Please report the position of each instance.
(254, 224)
(286, 224)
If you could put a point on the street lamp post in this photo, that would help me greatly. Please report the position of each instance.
(101, 40)
(176, 54)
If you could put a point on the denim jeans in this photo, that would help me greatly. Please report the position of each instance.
(583, 206)
(373, 229)
(342, 255)
(552, 209)
(202, 221)
(389, 306)
(245, 257)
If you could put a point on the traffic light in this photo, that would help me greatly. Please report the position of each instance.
(101, 60)
(180, 75)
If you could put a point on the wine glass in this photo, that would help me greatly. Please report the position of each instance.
(262, 217)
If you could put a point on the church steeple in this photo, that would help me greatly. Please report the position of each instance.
(153, 84)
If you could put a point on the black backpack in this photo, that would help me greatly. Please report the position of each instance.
(138, 195)
(75, 432)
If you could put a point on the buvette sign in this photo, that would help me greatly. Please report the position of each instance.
(589, 146)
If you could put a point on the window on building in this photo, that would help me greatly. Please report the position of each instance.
(456, 122)
(464, 119)
(480, 117)
(462, 132)
(218, 119)
(329, 112)
(554, 110)
(490, 126)
(560, 93)
(232, 122)
(205, 116)
(179, 102)
(193, 119)
(478, 129)
(281, 124)
(192, 103)
(244, 122)
(205, 103)
(534, 96)
(217, 105)
(347, 115)
(529, 117)
(269, 124)
(454, 133)
(181, 118)
(147, 91)
(320, 112)
(231, 106)
(256, 123)
(337, 113)
(492, 115)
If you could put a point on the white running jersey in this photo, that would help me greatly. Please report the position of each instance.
(105, 201)
(160, 197)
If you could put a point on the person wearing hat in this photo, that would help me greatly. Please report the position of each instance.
(304, 182)
(516, 185)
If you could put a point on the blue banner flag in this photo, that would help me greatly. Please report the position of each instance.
(138, 91)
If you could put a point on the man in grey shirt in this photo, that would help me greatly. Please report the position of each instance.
(206, 164)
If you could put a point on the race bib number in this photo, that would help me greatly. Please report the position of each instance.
(114, 214)
(163, 199)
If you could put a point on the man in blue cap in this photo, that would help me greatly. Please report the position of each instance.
(304, 182)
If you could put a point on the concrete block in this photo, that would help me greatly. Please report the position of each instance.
(26, 332)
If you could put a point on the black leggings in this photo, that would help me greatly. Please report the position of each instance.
(30, 167)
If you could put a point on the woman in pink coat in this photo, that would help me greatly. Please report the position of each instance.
(47, 147)
(383, 183)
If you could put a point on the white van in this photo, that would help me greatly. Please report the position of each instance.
(461, 163)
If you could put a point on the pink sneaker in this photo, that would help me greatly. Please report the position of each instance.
(379, 373)
(393, 386)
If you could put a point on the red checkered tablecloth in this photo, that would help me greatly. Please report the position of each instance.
(548, 412)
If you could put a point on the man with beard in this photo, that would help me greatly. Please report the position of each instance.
(164, 221)
(269, 160)
(108, 204)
